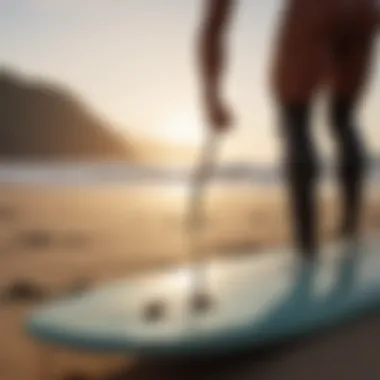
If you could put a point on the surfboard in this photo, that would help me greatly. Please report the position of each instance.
(256, 300)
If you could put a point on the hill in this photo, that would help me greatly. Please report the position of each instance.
(40, 120)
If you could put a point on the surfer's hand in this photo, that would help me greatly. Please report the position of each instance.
(218, 115)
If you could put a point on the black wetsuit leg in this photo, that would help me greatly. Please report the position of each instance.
(301, 171)
(351, 161)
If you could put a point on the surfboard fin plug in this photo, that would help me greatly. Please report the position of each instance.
(201, 303)
(154, 311)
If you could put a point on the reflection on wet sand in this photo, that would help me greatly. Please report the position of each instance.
(53, 240)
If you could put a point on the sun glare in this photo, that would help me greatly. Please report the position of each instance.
(182, 130)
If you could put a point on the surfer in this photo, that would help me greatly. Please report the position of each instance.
(324, 44)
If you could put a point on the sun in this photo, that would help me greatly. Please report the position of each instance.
(182, 129)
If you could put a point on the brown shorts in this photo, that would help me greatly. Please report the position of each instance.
(324, 43)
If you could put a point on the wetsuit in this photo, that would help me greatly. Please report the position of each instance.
(323, 45)
(320, 45)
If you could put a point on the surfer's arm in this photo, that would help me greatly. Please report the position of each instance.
(212, 55)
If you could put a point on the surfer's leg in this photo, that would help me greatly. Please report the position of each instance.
(352, 60)
(299, 67)
(351, 157)
(301, 169)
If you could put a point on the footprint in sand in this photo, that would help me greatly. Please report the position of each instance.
(34, 239)
(23, 291)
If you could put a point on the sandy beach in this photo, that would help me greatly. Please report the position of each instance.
(57, 240)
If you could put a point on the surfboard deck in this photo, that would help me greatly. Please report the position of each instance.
(256, 300)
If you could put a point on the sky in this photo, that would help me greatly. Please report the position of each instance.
(133, 61)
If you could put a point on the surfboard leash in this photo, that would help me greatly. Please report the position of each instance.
(200, 300)
(203, 172)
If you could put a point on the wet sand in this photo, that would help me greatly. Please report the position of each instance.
(60, 239)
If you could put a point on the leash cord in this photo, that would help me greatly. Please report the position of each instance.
(201, 176)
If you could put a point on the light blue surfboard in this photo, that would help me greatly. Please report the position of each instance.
(257, 300)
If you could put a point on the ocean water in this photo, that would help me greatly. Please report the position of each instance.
(114, 174)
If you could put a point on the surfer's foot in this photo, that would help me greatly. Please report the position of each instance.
(201, 303)
(308, 262)
(309, 255)
(350, 237)
(351, 244)
(349, 234)
(345, 234)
